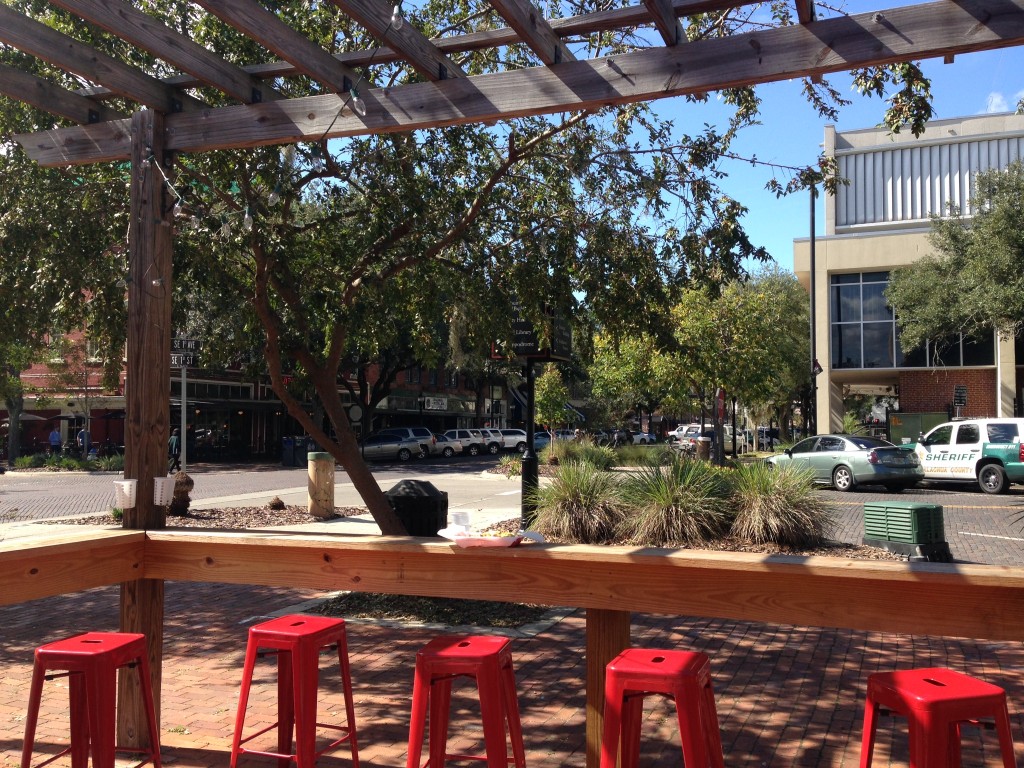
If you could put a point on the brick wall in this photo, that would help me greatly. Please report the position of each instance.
(926, 391)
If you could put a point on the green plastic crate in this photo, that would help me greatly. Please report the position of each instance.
(905, 521)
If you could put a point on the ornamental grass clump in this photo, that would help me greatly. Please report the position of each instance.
(684, 502)
(778, 505)
(579, 506)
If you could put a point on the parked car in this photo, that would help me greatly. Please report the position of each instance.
(644, 438)
(987, 451)
(767, 439)
(683, 432)
(493, 442)
(385, 445)
(446, 447)
(541, 440)
(472, 440)
(428, 446)
(513, 439)
(846, 461)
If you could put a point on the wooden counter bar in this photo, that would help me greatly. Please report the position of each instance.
(959, 600)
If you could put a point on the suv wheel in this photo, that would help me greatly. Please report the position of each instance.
(448, 451)
(473, 450)
(404, 454)
(493, 448)
(992, 479)
(520, 447)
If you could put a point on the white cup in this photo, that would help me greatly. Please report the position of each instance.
(461, 519)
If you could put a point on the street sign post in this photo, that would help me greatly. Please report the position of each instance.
(184, 352)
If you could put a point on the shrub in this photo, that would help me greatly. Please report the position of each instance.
(117, 513)
(34, 461)
(579, 506)
(598, 456)
(645, 455)
(683, 502)
(510, 466)
(114, 463)
(778, 505)
(276, 503)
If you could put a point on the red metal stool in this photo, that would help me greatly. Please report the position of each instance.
(297, 641)
(489, 661)
(684, 677)
(935, 702)
(90, 662)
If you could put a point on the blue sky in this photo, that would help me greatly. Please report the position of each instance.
(791, 133)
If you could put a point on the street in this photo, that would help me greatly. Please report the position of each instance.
(979, 528)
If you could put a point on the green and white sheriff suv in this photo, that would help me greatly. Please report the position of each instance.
(986, 451)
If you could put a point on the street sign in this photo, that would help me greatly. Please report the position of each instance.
(185, 345)
(960, 395)
(183, 360)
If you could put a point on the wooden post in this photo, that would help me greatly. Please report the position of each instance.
(320, 488)
(147, 395)
(607, 637)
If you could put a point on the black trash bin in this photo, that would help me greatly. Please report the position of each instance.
(288, 451)
(422, 508)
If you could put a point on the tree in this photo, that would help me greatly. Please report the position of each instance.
(550, 397)
(751, 341)
(974, 281)
(634, 373)
(608, 214)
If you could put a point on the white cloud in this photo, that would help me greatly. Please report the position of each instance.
(995, 102)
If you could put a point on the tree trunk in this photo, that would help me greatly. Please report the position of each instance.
(15, 406)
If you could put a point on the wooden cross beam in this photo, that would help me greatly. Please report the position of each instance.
(900, 34)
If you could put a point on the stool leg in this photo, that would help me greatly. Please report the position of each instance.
(492, 713)
(305, 683)
(417, 718)
(1002, 717)
(101, 692)
(79, 720)
(35, 693)
(437, 732)
(243, 700)
(691, 726)
(629, 731)
(515, 723)
(712, 735)
(350, 708)
(867, 739)
(929, 741)
(285, 707)
(612, 728)
(146, 683)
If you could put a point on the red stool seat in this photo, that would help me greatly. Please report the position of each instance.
(936, 702)
(91, 661)
(297, 641)
(489, 661)
(684, 677)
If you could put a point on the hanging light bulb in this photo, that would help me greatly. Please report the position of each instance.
(316, 158)
(396, 16)
(225, 227)
(194, 221)
(274, 197)
(247, 221)
(357, 104)
(179, 209)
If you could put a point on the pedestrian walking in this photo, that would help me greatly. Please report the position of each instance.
(55, 441)
(174, 451)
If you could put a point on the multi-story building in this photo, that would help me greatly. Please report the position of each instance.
(879, 222)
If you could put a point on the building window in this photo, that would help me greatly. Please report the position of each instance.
(413, 375)
(451, 379)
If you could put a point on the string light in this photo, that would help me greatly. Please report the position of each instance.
(225, 227)
(275, 196)
(247, 221)
(357, 104)
(179, 209)
(316, 158)
(396, 16)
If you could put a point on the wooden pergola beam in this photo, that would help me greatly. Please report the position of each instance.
(601, 21)
(665, 21)
(253, 20)
(39, 40)
(921, 31)
(409, 43)
(51, 98)
(150, 34)
(533, 29)
(805, 11)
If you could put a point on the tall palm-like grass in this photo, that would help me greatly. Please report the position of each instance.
(579, 506)
(778, 505)
(683, 502)
(644, 455)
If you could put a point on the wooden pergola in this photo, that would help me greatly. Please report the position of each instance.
(171, 118)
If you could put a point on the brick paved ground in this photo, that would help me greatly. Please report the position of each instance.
(787, 696)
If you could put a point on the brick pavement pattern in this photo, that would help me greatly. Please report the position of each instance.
(786, 696)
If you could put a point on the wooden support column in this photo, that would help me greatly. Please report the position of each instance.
(147, 395)
(607, 637)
